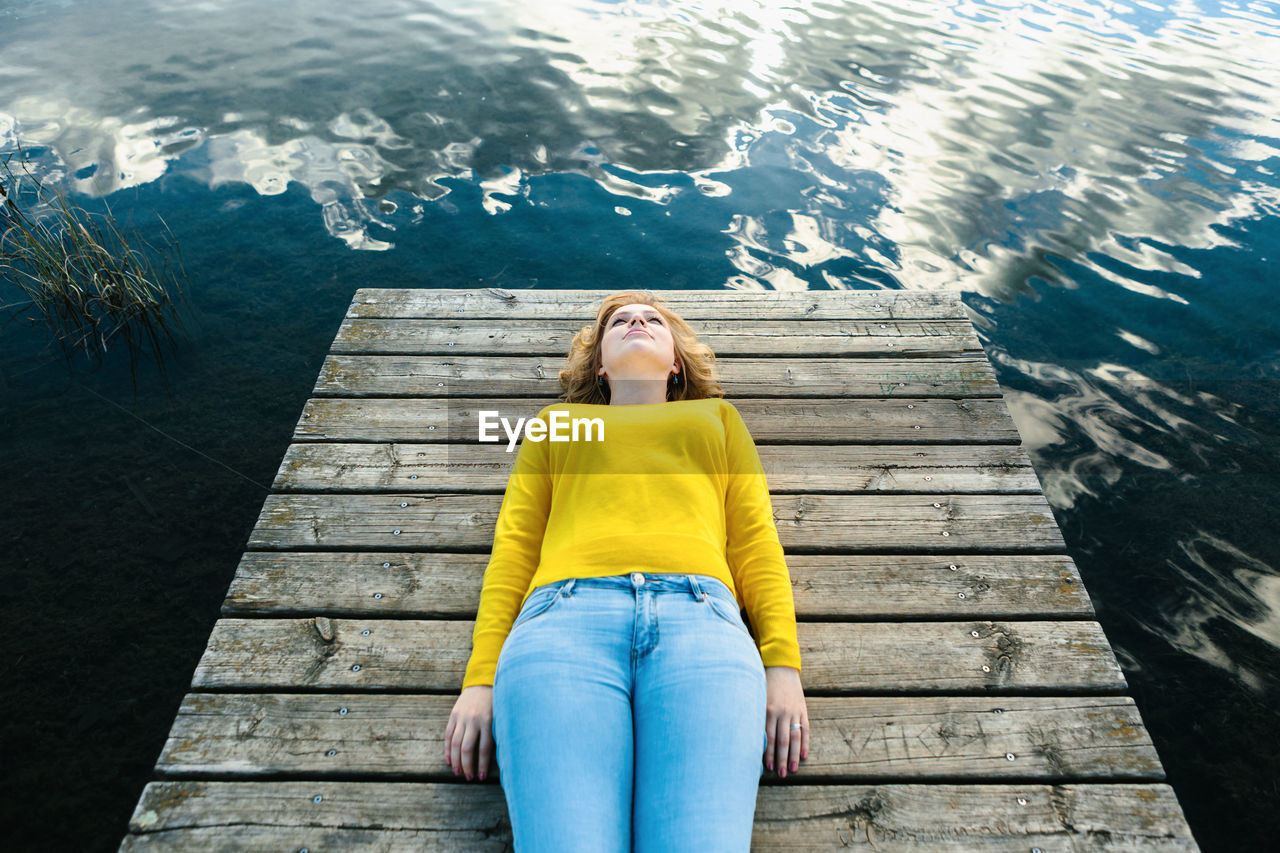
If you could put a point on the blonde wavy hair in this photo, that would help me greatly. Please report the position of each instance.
(699, 376)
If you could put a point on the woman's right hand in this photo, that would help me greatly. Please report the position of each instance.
(468, 739)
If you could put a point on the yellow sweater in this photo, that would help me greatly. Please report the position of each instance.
(672, 487)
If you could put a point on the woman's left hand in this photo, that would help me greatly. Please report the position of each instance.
(784, 707)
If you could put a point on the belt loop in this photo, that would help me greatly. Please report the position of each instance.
(695, 588)
(567, 589)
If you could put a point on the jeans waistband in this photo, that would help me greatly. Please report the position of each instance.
(694, 585)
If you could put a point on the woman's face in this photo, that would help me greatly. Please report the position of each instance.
(637, 345)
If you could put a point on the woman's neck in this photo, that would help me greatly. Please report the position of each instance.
(631, 392)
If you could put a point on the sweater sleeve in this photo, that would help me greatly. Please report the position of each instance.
(517, 546)
(753, 550)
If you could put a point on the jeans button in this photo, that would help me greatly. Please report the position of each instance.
(637, 578)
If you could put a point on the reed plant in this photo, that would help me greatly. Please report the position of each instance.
(92, 280)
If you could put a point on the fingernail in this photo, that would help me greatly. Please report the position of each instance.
(795, 765)
(468, 777)
(481, 777)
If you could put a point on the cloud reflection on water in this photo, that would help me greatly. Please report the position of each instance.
(1219, 583)
(960, 111)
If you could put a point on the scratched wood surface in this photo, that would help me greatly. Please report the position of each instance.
(893, 657)
(826, 421)
(961, 693)
(446, 585)
(890, 818)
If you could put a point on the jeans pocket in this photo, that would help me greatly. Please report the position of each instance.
(540, 601)
(727, 611)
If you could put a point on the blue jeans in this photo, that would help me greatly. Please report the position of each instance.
(628, 715)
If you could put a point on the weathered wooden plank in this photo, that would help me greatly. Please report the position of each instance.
(854, 739)
(883, 588)
(475, 375)
(807, 522)
(417, 467)
(492, 303)
(811, 421)
(890, 818)
(844, 657)
(754, 337)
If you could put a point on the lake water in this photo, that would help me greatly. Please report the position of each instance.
(1098, 178)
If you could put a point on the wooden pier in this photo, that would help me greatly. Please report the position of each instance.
(961, 695)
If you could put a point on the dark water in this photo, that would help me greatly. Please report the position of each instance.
(1099, 179)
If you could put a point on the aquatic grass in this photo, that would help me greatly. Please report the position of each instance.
(91, 280)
